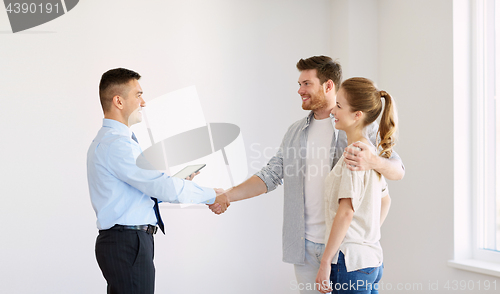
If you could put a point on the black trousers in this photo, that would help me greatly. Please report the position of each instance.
(126, 261)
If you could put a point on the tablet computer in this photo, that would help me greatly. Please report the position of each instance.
(188, 170)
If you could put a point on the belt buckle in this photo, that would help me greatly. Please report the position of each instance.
(152, 229)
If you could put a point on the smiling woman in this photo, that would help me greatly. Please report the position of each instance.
(359, 103)
(357, 202)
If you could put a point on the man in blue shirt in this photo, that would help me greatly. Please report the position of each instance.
(124, 196)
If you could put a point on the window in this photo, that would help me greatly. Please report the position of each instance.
(476, 47)
(486, 125)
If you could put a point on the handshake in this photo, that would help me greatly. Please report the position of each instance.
(221, 202)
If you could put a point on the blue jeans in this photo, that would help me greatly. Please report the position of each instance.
(363, 281)
(306, 273)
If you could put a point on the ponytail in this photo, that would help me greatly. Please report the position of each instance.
(362, 95)
(388, 126)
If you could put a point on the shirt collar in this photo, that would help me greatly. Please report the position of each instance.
(311, 115)
(118, 126)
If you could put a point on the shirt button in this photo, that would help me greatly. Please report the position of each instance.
(301, 238)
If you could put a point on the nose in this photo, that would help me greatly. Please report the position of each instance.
(301, 91)
(143, 103)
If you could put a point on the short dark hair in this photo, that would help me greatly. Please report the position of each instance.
(326, 69)
(110, 79)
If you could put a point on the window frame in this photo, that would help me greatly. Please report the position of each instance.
(469, 81)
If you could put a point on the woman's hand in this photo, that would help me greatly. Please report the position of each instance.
(323, 277)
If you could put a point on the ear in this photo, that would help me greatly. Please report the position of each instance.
(358, 115)
(329, 86)
(118, 102)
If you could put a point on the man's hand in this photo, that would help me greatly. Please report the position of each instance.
(360, 157)
(323, 278)
(221, 202)
(191, 177)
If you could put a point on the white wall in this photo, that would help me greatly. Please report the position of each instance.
(241, 55)
(355, 37)
(415, 48)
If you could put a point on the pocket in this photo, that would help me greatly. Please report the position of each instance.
(367, 270)
(137, 247)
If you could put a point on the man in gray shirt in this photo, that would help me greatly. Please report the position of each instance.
(302, 166)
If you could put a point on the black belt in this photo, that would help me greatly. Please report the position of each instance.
(146, 228)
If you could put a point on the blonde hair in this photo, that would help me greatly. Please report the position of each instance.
(362, 95)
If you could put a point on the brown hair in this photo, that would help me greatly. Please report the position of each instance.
(109, 81)
(326, 69)
(362, 95)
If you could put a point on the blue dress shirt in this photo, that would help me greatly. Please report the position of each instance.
(120, 191)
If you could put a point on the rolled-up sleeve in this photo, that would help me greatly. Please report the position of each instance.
(272, 173)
